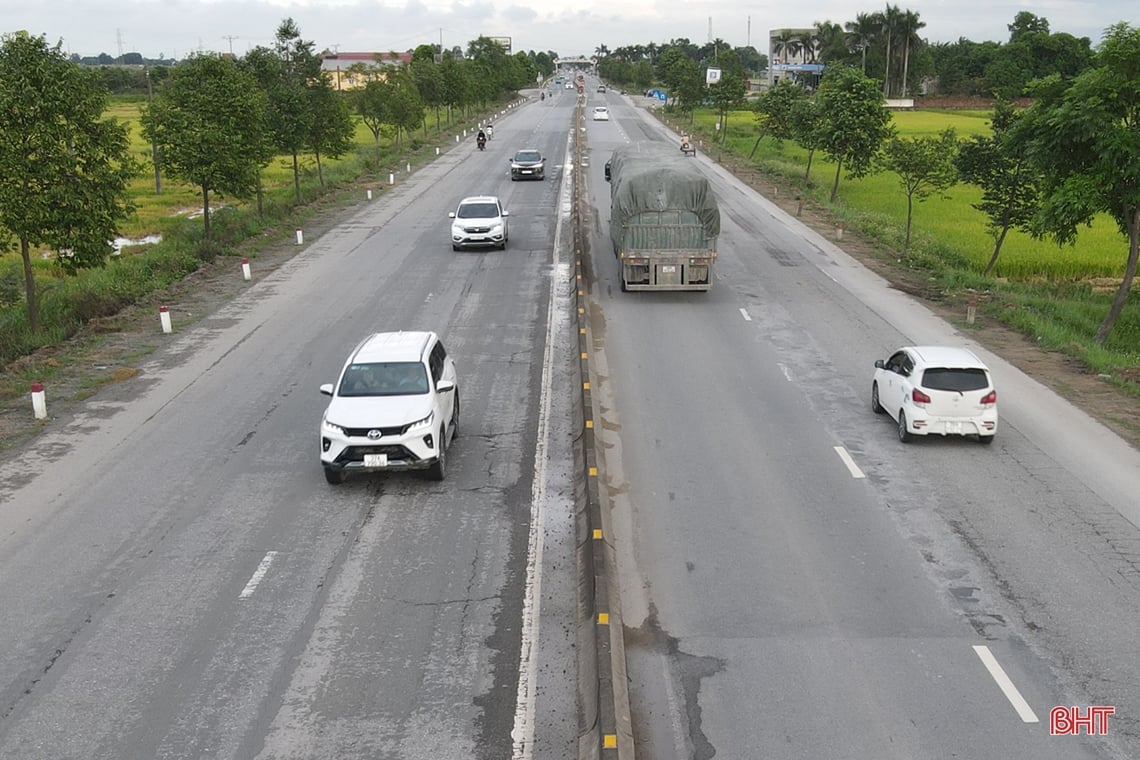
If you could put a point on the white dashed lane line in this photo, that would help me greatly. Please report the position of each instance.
(1024, 711)
(258, 574)
(847, 460)
(744, 313)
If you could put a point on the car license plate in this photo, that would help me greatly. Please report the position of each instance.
(954, 428)
(375, 460)
(669, 269)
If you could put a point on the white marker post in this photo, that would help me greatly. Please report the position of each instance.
(300, 237)
(39, 403)
(839, 231)
(164, 318)
(437, 150)
(245, 273)
(368, 193)
(391, 178)
(407, 168)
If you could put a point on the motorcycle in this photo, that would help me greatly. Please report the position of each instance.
(481, 142)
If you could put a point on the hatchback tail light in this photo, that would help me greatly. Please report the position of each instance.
(989, 398)
(919, 398)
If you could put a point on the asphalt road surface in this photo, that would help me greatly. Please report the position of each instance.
(178, 581)
(796, 583)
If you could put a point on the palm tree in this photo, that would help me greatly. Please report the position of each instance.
(861, 34)
(601, 51)
(890, 21)
(908, 30)
(787, 45)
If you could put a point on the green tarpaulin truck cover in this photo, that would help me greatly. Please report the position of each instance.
(654, 177)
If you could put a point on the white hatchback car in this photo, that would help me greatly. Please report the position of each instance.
(479, 220)
(394, 407)
(601, 113)
(936, 390)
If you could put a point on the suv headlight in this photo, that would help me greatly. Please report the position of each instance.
(331, 429)
(421, 424)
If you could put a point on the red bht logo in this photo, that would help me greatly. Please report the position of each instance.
(1068, 721)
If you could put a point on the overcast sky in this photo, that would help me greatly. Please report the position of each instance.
(174, 28)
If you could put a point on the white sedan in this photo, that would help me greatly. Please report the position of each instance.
(601, 113)
(936, 390)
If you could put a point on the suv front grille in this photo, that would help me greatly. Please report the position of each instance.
(385, 432)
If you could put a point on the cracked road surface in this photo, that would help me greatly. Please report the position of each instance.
(178, 581)
(795, 582)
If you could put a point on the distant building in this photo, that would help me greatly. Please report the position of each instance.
(338, 66)
(792, 56)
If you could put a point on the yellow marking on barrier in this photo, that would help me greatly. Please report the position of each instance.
(581, 310)
(586, 386)
(609, 741)
(598, 533)
(603, 618)
(593, 472)
(581, 330)
(589, 423)
(584, 355)
(579, 293)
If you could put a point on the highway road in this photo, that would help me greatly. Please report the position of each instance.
(178, 581)
(795, 582)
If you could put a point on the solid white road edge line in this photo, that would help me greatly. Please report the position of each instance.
(522, 734)
(1024, 711)
(847, 460)
(744, 313)
(258, 574)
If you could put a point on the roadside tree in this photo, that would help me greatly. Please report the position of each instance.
(924, 165)
(208, 125)
(854, 123)
(331, 134)
(1009, 181)
(1085, 138)
(65, 169)
(774, 108)
(728, 93)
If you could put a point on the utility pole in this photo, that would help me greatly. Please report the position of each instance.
(230, 38)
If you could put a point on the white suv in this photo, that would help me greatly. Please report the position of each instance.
(936, 390)
(479, 221)
(394, 407)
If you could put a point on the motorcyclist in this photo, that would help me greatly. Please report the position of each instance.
(490, 131)
(481, 139)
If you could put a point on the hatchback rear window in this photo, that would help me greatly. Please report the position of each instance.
(959, 379)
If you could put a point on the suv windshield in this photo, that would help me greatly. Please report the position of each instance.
(384, 379)
(477, 211)
(943, 379)
(528, 155)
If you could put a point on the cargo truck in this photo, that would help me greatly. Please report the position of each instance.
(664, 219)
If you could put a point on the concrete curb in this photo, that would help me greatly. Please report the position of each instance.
(605, 724)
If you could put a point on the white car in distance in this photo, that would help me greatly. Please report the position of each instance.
(395, 406)
(936, 390)
(601, 113)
